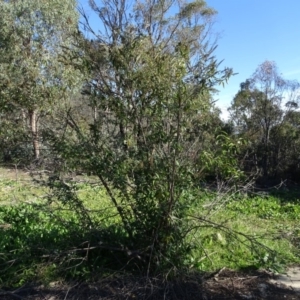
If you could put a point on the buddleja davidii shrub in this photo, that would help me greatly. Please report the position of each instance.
(147, 85)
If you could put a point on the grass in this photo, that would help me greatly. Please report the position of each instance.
(17, 186)
(254, 220)
(48, 242)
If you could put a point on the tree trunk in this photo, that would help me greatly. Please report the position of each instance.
(34, 133)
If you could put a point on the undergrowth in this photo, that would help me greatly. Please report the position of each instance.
(48, 241)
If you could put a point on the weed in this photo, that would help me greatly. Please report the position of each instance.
(49, 241)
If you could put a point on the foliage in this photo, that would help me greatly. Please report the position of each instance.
(33, 37)
(14, 141)
(222, 161)
(147, 133)
(263, 112)
(151, 77)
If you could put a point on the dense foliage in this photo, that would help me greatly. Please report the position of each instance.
(132, 108)
(265, 113)
(33, 82)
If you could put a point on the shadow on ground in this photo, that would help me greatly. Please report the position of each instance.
(225, 284)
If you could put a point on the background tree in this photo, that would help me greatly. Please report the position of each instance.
(34, 34)
(260, 111)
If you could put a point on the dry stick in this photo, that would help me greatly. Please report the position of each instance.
(232, 232)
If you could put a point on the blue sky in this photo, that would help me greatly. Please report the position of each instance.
(252, 31)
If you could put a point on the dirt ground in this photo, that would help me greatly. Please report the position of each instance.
(225, 284)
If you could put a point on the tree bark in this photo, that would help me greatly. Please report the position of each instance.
(34, 133)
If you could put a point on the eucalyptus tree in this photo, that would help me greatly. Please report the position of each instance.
(260, 110)
(152, 72)
(33, 79)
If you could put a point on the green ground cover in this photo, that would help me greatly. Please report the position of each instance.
(50, 240)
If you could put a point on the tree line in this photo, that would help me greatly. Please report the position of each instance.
(134, 106)
(265, 112)
(145, 83)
